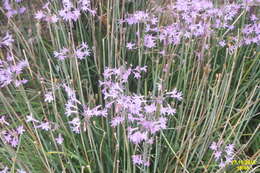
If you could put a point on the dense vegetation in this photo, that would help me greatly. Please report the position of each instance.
(129, 86)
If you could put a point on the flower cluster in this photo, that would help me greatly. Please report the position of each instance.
(140, 160)
(222, 155)
(80, 53)
(251, 32)
(10, 11)
(68, 12)
(192, 19)
(46, 15)
(9, 70)
(71, 107)
(10, 136)
(48, 97)
(45, 126)
(139, 111)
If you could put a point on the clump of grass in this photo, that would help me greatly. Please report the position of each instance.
(125, 86)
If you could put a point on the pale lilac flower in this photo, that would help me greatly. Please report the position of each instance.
(69, 15)
(75, 121)
(175, 94)
(10, 57)
(222, 164)
(229, 149)
(5, 170)
(51, 18)
(253, 18)
(214, 146)
(48, 97)
(7, 137)
(70, 92)
(217, 155)
(20, 130)
(63, 54)
(54, 19)
(83, 51)
(18, 83)
(229, 158)
(59, 139)
(8, 73)
(3, 121)
(154, 126)
(116, 121)
(137, 75)
(14, 142)
(150, 108)
(222, 43)
(154, 20)
(10, 137)
(138, 137)
(137, 159)
(94, 112)
(21, 10)
(11, 13)
(44, 126)
(75, 125)
(84, 4)
(39, 15)
(149, 41)
(130, 46)
(29, 118)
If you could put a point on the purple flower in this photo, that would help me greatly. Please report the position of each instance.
(17, 83)
(149, 41)
(59, 139)
(44, 126)
(29, 118)
(5, 170)
(10, 137)
(130, 46)
(39, 15)
(8, 73)
(175, 94)
(3, 121)
(48, 97)
(20, 130)
(230, 149)
(83, 51)
(222, 164)
(150, 108)
(137, 137)
(21, 10)
(63, 54)
(214, 146)
(14, 142)
(217, 155)
(75, 125)
(137, 159)
(167, 111)
(116, 121)
(222, 43)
